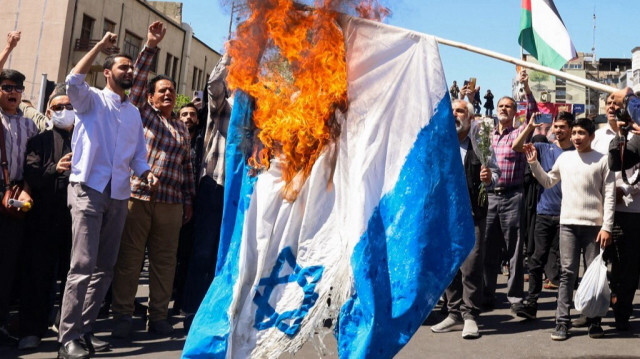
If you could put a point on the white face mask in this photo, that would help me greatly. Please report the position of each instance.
(63, 119)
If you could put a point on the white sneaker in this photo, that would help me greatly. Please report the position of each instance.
(29, 342)
(470, 330)
(449, 324)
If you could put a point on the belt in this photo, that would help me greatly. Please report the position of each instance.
(500, 191)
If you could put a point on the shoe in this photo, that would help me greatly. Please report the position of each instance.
(595, 331)
(29, 342)
(526, 310)
(623, 325)
(140, 310)
(188, 319)
(449, 324)
(95, 345)
(160, 327)
(73, 349)
(6, 339)
(580, 322)
(122, 327)
(560, 333)
(505, 270)
(470, 330)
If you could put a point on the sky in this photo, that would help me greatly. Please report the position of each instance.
(489, 24)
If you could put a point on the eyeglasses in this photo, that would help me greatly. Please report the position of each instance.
(62, 106)
(9, 88)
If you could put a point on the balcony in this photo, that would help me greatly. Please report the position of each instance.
(88, 44)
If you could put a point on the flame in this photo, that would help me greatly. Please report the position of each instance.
(291, 60)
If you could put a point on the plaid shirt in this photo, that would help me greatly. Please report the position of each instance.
(511, 163)
(215, 139)
(168, 144)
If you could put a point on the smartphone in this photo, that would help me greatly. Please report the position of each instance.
(472, 84)
(544, 118)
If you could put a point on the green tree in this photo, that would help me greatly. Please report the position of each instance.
(181, 100)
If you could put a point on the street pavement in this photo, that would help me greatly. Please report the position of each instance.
(503, 336)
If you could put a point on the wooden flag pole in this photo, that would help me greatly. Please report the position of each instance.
(563, 75)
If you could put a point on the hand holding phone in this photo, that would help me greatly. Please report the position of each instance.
(544, 118)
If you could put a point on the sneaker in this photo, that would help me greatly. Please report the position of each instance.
(160, 327)
(622, 325)
(470, 330)
(595, 331)
(526, 310)
(29, 342)
(550, 285)
(560, 333)
(122, 327)
(449, 324)
(580, 322)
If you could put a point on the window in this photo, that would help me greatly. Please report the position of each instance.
(171, 66)
(174, 70)
(108, 26)
(131, 45)
(87, 28)
(575, 66)
(197, 79)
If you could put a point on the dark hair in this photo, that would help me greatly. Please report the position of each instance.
(515, 104)
(151, 86)
(567, 117)
(539, 138)
(586, 124)
(111, 59)
(59, 90)
(12, 75)
(190, 104)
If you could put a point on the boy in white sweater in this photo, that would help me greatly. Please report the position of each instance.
(586, 213)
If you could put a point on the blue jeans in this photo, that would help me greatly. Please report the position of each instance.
(573, 240)
(202, 264)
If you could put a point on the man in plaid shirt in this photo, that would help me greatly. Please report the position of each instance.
(505, 211)
(154, 218)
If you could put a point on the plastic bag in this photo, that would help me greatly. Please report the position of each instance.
(593, 296)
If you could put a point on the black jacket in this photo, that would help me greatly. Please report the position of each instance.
(472, 168)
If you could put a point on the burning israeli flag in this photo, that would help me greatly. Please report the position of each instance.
(380, 222)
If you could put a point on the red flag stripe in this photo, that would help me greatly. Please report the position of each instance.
(526, 5)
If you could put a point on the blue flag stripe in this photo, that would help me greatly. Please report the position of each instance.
(414, 243)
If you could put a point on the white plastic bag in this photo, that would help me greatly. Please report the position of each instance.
(593, 295)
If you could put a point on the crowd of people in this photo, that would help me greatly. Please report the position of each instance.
(107, 176)
(550, 199)
(104, 178)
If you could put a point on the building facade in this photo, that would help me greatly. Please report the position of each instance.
(56, 34)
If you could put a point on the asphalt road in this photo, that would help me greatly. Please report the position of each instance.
(503, 336)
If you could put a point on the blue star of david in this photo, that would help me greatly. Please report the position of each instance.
(307, 278)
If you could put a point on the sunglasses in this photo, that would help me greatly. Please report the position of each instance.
(9, 88)
(60, 107)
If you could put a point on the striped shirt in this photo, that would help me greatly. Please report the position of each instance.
(17, 130)
(168, 144)
(215, 139)
(511, 163)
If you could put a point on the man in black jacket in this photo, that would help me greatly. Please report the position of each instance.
(464, 294)
(48, 239)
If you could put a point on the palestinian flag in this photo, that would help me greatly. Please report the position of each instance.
(543, 34)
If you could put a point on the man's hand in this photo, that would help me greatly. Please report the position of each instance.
(12, 39)
(151, 180)
(619, 95)
(604, 238)
(532, 122)
(530, 152)
(485, 175)
(65, 163)
(524, 80)
(187, 213)
(108, 42)
(155, 34)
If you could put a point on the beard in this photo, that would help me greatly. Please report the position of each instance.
(123, 83)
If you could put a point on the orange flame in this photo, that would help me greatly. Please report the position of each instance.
(292, 62)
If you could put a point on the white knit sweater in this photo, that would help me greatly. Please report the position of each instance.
(588, 188)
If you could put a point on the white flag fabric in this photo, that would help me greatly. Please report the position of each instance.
(377, 232)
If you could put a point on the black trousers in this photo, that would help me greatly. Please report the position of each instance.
(46, 255)
(546, 237)
(11, 232)
(624, 255)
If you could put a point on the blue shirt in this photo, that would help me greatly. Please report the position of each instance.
(108, 139)
(634, 109)
(550, 199)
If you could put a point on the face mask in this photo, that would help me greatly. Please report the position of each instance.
(63, 119)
